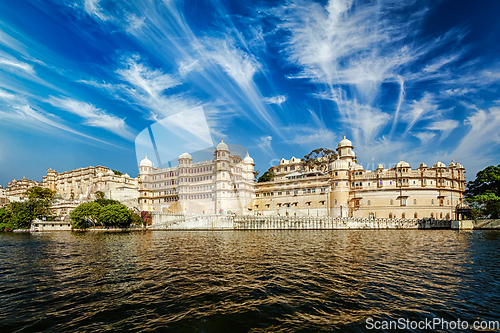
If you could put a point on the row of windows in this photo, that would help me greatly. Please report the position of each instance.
(290, 168)
(196, 170)
(292, 204)
(403, 202)
(195, 179)
(295, 192)
(183, 197)
(415, 215)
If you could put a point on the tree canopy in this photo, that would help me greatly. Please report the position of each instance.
(115, 215)
(84, 213)
(266, 177)
(37, 192)
(99, 195)
(20, 214)
(116, 172)
(106, 202)
(319, 159)
(483, 194)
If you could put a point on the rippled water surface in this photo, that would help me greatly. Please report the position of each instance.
(257, 281)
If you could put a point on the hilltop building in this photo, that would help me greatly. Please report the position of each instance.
(347, 189)
(82, 184)
(219, 186)
(16, 188)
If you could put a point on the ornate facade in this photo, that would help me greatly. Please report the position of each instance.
(16, 188)
(82, 184)
(219, 186)
(347, 189)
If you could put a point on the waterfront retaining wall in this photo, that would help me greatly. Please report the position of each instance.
(170, 221)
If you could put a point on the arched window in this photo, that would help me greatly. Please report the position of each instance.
(432, 215)
(441, 216)
(391, 202)
(368, 202)
(415, 216)
(403, 216)
(390, 215)
(414, 201)
(432, 201)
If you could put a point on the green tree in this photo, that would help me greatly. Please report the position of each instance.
(106, 202)
(5, 220)
(4, 215)
(115, 215)
(99, 195)
(116, 172)
(319, 159)
(483, 194)
(24, 212)
(135, 218)
(37, 192)
(266, 177)
(86, 212)
(256, 174)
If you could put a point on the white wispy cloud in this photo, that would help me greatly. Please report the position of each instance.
(93, 116)
(93, 9)
(365, 121)
(307, 135)
(13, 64)
(424, 137)
(264, 143)
(420, 109)
(18, 112)
(278, 99)
(444, 126)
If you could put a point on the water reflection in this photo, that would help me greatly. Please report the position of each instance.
(242, 281)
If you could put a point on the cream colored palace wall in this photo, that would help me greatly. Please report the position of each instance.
(378, 202)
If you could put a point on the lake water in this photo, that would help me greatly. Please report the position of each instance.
(241, 281)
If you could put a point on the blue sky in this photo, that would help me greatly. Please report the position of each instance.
(412, 80)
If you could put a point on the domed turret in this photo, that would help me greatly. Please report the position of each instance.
(222, 145)
(185, 155)
(146, 162)
(345, 143)
(345, 150)
(380, 167)
(439, 164)
(423, 165)
(402, 164)
(248, 160)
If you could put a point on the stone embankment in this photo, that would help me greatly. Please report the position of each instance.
(170, 221)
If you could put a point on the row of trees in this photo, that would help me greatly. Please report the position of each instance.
(18, 215)
(103, 212)
(100, 212)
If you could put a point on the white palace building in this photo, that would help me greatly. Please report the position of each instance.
(223, 185)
